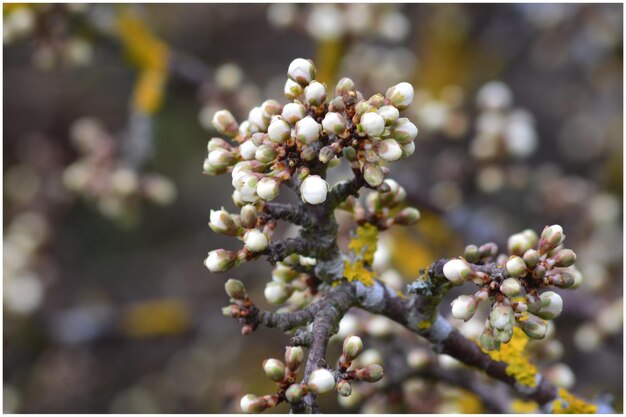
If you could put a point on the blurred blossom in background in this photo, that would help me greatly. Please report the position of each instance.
(107, 304)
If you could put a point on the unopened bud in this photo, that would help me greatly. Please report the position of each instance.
(564, 258)
(326, 154)
(248, 216)
(464, 307)
(503, 336)
(344, 388)
(279, 130)
(258, 119)
(403, 131)
(533, 326)
(265, 153)
(337, 105)
(501, 317)
(511, 287)
(314, 189)
(301, 71)
(551, 305)
(516, 266)
(294, 394)
(334, 123)
(250, 404)
(255, 240)
(551, 237)
(220, 158)
(400, 95)
(488, 250)
(371, 373)
(276, 292)
(373, 174)
(457, 271)
(292, 112)
(352, 347)
(531, 258)
(270, 108)
(294, 356)
(225, 123)
(519, 243)
(315, 93)
(227, 311)
(321, 381)
(217, 143)
(372, 124)
(389, 150)
(292, 89)
(307, 130)
(221, 222)
(267, 189)
(389, 113)
(487, 340)
(408, 216)
(562, 279)
(308, 153)
(344, 86)
(220, 260)
(350, 153)
(235, 289)
(408, 149)
(247, 150)
(362, 107)
(274, 369)
(377, 100)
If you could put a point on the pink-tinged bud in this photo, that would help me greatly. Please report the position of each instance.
(344, 86)
(488, 250)
(274, 369)
(371, 373)
(292, 89)
(294, 356)
(471, 253)
(531, 258)
(248, 216)
(314, 189)
(403, 131)
(564, 258)
(533, 326)
(270, 108)
(464, 307)
(225, 123)
(551, 305)
(373, 174)
(400, 95)
(516, 266)
(321, 381)
(220, 260)
(255, 240)
(294, 394)
(352, 347)
(344, 388)
(218, 143)
(511, 287)
(315, 93)
(267, 188)
(551, 237)
(293, 112)
(372, 124)
(501, 317)
(457, 271)
(389, 150)
(389, 114)
(279, 130)
(334, 123)
(301, 71)
(561, 279)
(235, 289)
(407, 216)
(307, 130)
(221, 222)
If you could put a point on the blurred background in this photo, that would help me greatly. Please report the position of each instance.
(107, 304)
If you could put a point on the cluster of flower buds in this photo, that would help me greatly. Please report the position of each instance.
(100, 174)
(512, 283)
(279, 142)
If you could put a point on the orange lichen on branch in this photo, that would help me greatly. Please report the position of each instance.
(515, 356)
(568, 403)
(150, 55)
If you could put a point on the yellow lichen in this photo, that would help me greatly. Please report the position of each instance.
(515, 356)
(524, 407)
(568, 403)
(424, 324)
(469, 403)
(356, 271)
(364, 243)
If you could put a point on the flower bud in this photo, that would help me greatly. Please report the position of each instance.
(457, 271)
(265, 153)
(344, 388)
(256, 118)
(301, 71)
(308, 153)
(371, 373)
(314, 189)
(389, 150)
(551, 305)
(408, 149)
(292, 112)
(246, 129)
(250, 404)
(373, 174)
(533, 326)
(519, 243)
(292, 89)
(315, 93)
(564, 258)
(326, 154)
(488, 250)
(400, 95)
(267, 188)
(372, 124)
(294, 393)
(337, 105)
(247, 150)
(501, 316)
(408, 216)
(227, 311)
(376, 101)
(362, 107)
(403, 131)
(350, 153)
(217, 143)
(294, 356)
(248, 216)
(220, 260)
(334, 123)
(562, 279)
(221, 222)
(279, 130)
(255, 240)
(352, 347)
(551, 237)
(516, 266)
(533, 302)
(307, 130)
(270, 108)
(344, 86)
(531, 258)
(504, 335)
(220, 158)
(225, 123)
(276, 292)
(487, 339)
(389, 114)
(471, 253)
(274, 369)
(511, 287)
(235, 289)
(321, 381)
(464, 307)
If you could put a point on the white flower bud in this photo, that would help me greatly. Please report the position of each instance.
(519, 243)
(533, 326)
(344, 389)
(516, 266)
(501, 317)
(389, 113)
(258, 119)
(404, 131)
(400, 95)
(307, 130)
(511, 287)
(292, 89)
(321, 381)
(294, 356)
(270, 108)
(389, 150)
(292, 112)
(551, 305)
(343, 86)
(372, 124)
(315, 93)
(408, 216)
(274, 369)
(294, 393)
(279, 130)
(334, 123)
(551, 237)
(267, 188)
(220, 158)
(247, 150)
(276, 292)
(464, 307)
(408, 149)
(221, 222)
(255, 240)
(220, 260)
(225, 123)
(457, 271)
(301, 71)
(265, 153)
(246, 128)
(314, 189)
(249, 404)
(217, 143)
(352, 347)
(373, 174)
